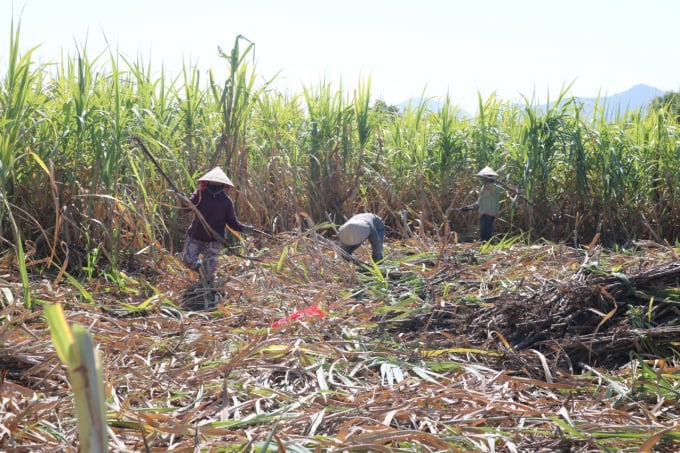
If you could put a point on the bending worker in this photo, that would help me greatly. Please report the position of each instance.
(359, 228)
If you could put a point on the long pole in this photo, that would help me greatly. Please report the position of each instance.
(148, 154)
(218, 237)
(517, 192)
(205, 224)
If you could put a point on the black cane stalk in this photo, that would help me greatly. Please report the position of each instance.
(526, 200)
(218, 237)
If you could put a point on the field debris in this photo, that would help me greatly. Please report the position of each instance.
(464, 348)
(590, 317)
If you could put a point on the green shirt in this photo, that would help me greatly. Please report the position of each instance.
(489, 199)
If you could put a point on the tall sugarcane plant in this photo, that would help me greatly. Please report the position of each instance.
(322, 152)
(21, 99)
(77, 351)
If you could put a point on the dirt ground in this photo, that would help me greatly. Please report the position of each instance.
(441, 348)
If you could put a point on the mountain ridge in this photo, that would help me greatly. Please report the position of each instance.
(636, 97)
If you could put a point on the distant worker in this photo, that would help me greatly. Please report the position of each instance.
(359, 228)
(488, 203)
(217, 209)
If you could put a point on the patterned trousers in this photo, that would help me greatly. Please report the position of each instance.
(193, 249)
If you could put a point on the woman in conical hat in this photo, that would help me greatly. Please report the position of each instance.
(213, 202)
(488, 202)
(487, 172)
(218, 176)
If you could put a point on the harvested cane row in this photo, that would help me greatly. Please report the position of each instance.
(464, 348)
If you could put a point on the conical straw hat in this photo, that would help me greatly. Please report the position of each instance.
(217, 175)
(487, 172)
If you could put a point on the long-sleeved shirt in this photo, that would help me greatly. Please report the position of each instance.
(489, 201)
(361, 227)
(218, 211)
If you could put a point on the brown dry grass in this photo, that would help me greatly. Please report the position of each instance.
(449, 349)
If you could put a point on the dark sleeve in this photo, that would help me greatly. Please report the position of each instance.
(230, 215)
(194, 198)
(376, 237)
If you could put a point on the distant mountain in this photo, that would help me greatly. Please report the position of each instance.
(634, 98)
(637, 97)
(432, 104)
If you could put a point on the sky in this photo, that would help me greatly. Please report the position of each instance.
(512, 49)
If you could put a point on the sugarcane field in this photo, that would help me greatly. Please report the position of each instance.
(208, 265)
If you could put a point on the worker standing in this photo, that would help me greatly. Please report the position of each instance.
(488, 202)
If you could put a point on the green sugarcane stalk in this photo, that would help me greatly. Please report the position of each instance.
(76, 349)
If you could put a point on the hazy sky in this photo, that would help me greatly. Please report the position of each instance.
(463, 48)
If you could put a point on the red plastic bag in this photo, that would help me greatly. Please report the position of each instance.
(304, 313)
